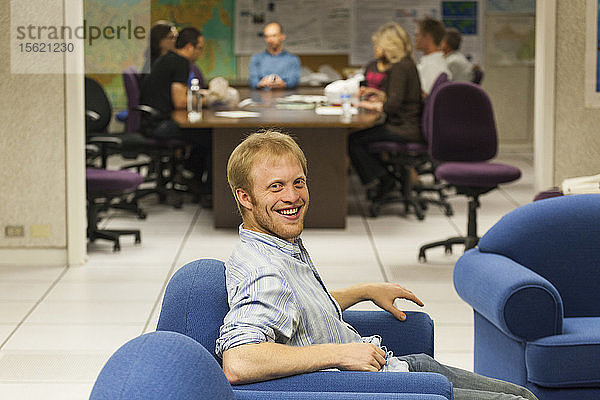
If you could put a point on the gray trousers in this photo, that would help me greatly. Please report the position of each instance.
(468, 385)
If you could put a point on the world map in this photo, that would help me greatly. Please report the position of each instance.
(212, 17)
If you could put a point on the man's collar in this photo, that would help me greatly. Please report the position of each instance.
(274, 55)
(247, 235)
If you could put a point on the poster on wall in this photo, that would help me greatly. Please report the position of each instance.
(466, 17)
(592, 55)
(310, 26)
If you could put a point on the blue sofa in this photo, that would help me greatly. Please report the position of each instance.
(195, 304)
(533, 284)
(172, 366)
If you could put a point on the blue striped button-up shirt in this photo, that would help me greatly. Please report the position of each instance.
(276, 295)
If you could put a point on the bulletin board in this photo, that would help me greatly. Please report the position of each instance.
(346, 26)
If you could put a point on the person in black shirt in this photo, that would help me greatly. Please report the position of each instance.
(165, 90)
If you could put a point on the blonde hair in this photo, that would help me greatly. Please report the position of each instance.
(267, 143)
(394, 41)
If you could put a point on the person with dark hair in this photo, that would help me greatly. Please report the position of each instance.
(430, 33)
(165, 90)
(459, 66)
(162, 39)
(274, 68)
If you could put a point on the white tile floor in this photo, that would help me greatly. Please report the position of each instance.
(58, 325)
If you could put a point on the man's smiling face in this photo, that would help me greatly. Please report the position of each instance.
(278, 200)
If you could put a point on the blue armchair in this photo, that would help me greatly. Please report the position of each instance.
(195, 304)
(533, 286)
(169, 365)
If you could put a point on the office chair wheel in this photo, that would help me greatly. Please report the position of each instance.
(422, 258)
(374, 210)
(141, 214)
(448, 249)
(116, 247)
(420, 216)
(448, 210)
(138, 238)
(178, 204)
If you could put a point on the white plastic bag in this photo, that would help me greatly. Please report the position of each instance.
(581, 185)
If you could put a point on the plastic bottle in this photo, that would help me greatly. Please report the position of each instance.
(346, 107)
(194, 101)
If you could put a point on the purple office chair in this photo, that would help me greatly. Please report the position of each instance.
(399, 159)
(162, 153)
(477, 75)
(131, 81)
(462, 137)
(103, 186)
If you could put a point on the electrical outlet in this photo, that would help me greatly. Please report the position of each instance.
(14, 231)
(39, 231)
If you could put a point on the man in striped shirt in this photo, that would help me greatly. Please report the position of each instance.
(282, 319)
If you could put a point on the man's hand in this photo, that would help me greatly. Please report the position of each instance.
(372, 94)
(384, 294)
(272, 81)
(361, 357)
(371, 105)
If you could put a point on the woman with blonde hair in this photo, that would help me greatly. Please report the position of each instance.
(399, 98)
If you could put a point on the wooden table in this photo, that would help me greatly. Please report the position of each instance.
(322, 138)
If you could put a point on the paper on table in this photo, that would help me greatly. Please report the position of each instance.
(333, 110)
(237, 114)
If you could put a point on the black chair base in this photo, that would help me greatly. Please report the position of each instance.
(97, 204)
(399, 166)
(114, 235)
(399, 169)
(131, 206)
(472, 238)
(440, 190)
(411, 202)
(468, 241)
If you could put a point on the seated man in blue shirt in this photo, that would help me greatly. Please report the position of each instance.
(282, 320)
(274, 68)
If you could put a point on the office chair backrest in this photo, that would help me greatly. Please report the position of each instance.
(461, 123)
(477, 76)
(198, 286)
(97, 102)
(426, 115)
(559, 239)
(161, 366)
(132, 89)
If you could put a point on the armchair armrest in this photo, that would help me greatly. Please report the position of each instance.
(147, 109)
(258, 395)
(519, 302)
(413, 336)
(104, 140)
(360, 382)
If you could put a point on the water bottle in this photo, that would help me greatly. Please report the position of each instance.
(194, 101)
(346, 107)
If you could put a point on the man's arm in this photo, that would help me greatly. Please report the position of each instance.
(254, 74)
(178, 95)
(263, 361)
(382, 294)
(291, 74)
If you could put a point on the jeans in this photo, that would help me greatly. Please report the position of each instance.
(468, 385)
(367, 166)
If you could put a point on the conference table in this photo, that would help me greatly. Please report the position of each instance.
(323, 138)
